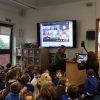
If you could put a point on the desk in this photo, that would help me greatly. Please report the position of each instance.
(74, 75)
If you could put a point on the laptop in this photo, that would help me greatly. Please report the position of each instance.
(81, 57)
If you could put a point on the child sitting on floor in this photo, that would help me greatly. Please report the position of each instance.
(14, 92)
(72, 93)
(90, 85)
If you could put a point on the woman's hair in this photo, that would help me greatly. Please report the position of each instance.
(48, 92)
(92, 59)
(62, 49)
(92, 63)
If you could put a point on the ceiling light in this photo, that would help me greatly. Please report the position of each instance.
(23, 4)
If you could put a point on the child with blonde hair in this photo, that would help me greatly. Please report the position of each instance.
(36, 82)
(45, 78)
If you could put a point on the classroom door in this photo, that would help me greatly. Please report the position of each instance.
(5, 43)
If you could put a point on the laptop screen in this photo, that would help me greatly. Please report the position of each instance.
(81, 57)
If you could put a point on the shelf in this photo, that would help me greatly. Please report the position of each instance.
(33, 56)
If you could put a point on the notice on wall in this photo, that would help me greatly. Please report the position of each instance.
(4, 59)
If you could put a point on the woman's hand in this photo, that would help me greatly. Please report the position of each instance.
(78, 61)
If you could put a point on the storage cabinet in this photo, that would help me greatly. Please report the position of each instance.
(36, 56)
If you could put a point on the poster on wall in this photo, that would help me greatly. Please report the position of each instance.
(4, 59)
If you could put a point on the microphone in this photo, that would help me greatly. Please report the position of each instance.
(83, 45)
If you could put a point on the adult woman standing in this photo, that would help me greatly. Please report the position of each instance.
(91, 63)
(59, 61)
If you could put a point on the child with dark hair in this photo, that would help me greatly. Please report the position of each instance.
(90, 85)
(30, 71)
(14, 92)
(62, 87)
(8, 67)
(12, 76)
(72, 93)
(58, 76)
(25, 82)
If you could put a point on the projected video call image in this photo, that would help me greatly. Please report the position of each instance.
(4, 41)
(56, 33)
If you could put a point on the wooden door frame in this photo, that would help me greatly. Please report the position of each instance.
(97, 28)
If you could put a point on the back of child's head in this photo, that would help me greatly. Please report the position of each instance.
(9, 65)
(48, 92)
(12, 74)
(18, 69)
(73, 91)
(25, 78)
(27, 95)
(31, 67)
(90, 72)
(64, 81)
(15, 87)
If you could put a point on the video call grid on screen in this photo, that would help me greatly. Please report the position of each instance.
(56, 34)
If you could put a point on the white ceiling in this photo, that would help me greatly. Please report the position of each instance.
(35, 3)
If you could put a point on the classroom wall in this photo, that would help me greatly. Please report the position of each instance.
(8, 12)
(85, 16)
(25, 29)
(97, 9)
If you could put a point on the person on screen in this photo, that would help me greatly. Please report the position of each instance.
(65, 30)
(46, 35)
(59, 62)
(61, 34)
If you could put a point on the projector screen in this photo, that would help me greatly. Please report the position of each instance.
(55, 34)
